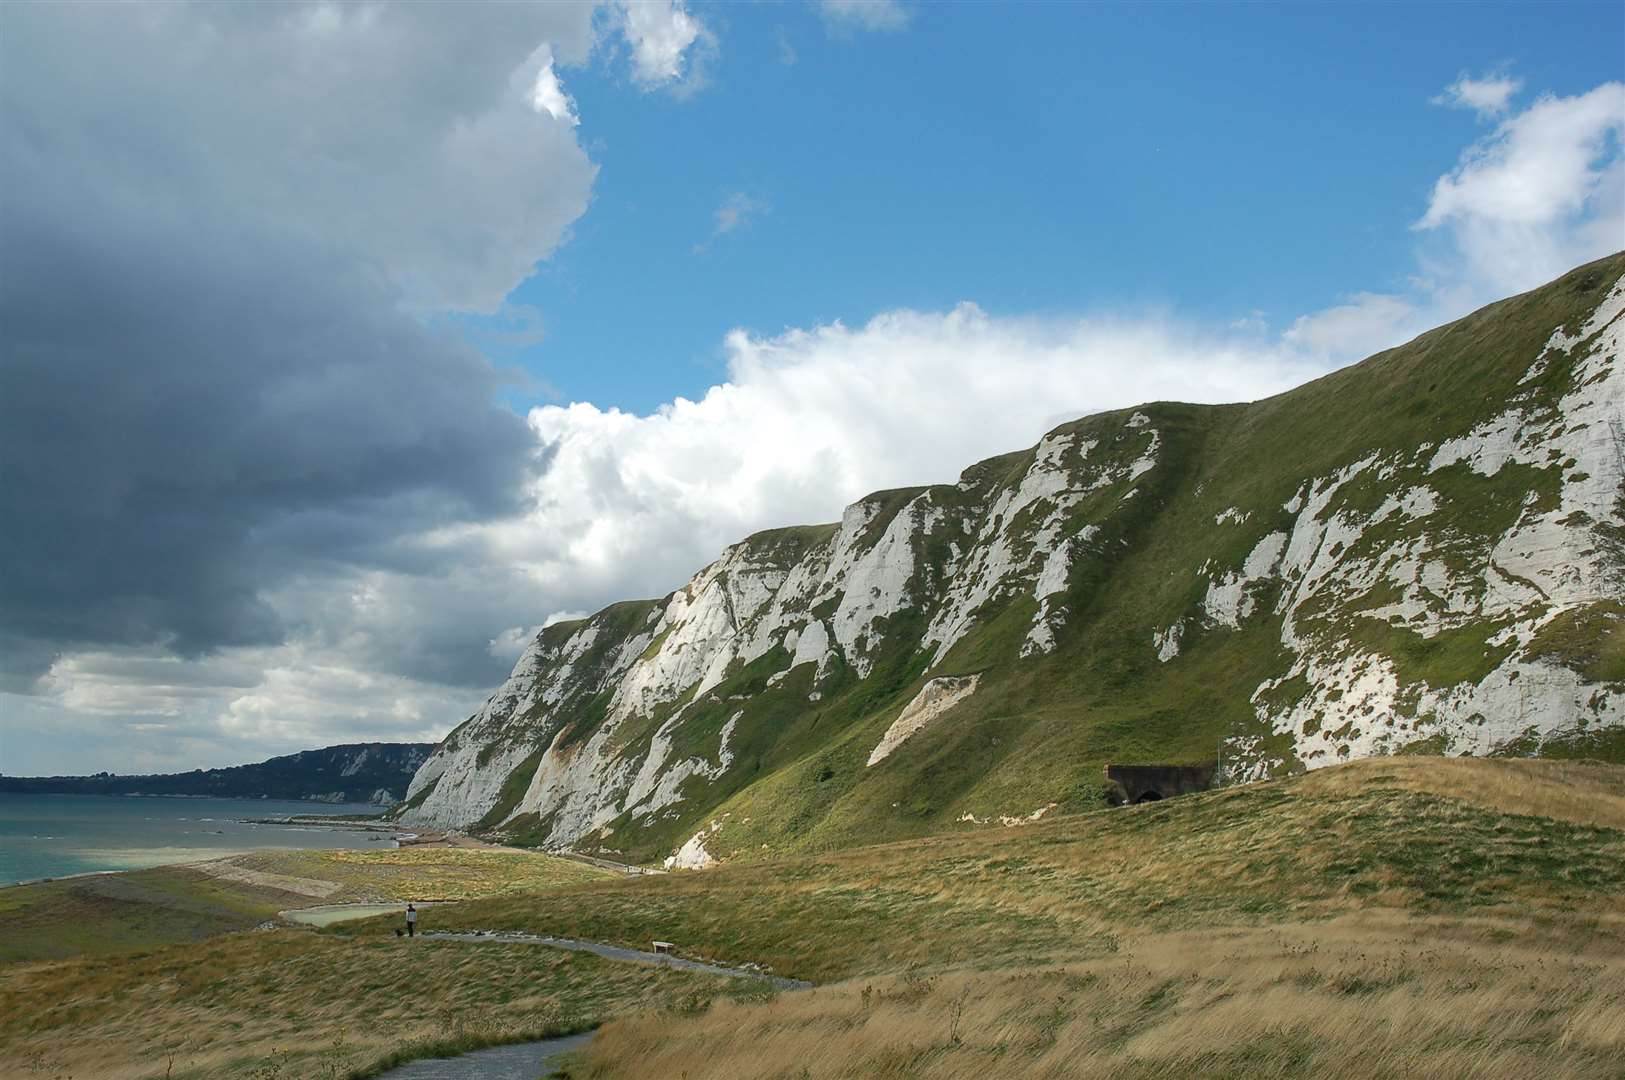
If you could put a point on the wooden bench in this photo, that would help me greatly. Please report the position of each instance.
(664, 948)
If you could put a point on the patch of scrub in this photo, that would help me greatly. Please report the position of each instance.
(935, 698)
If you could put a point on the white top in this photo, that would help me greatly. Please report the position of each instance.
(411, 916)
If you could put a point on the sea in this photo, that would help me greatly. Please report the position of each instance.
(57, 835)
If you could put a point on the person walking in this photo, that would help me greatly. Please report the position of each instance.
(411, 921)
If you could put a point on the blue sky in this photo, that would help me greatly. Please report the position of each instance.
(279, 483)
(1032, 158)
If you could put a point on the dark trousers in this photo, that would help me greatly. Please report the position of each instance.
(411, 929)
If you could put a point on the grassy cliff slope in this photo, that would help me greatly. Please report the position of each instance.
(1424, 552)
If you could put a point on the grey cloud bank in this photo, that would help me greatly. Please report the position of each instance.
(220, 404)
(249, 461)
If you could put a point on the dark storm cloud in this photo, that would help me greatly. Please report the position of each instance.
(183, 424)
(219, 228)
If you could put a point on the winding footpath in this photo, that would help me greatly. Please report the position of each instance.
(521, 1061)
(616, 952)
(526, 1061)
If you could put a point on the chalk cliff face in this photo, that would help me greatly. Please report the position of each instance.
(1425, 551)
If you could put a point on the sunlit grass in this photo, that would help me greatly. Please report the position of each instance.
(418, 873)
(146, 908)
(1369, 835)
(1401, 917)
(295, 1004)
(1359, 997)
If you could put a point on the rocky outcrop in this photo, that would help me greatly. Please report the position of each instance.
(935, 698)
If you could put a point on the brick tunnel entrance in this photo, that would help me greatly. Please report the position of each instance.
(1151, 783)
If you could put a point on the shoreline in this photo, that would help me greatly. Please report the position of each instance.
(211, 854)
(369, 825)
(192, 795)
(428, 839)
(80, 874)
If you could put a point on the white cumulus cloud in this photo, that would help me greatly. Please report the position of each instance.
(736, 210)
(1362, 324)
(808, 420)
(1489, 96)
(865, 14)
(1540, 193)
(547, 93)
(669, 45)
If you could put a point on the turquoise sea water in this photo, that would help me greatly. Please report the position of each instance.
(55, 835)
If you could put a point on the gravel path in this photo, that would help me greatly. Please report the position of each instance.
(521, 1061)
(526, 1061)
(615, 952)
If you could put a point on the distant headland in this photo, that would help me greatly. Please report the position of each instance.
(351, 773)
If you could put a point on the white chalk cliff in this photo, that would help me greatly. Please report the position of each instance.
(1438, 568)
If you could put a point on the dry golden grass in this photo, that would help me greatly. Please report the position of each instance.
(147, 908)
(1317, 846)
(1395, 918)
(1584, 792)
(291, 1004)
(1374, 995)
(420, 873)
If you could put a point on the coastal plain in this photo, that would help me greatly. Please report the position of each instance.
(1384, 918)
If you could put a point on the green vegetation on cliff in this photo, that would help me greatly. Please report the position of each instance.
(1415, 553)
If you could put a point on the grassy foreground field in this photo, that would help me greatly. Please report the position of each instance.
(291, 1004)
(147, 908)
(1399, 917)
(159, 986)
(1391, 996)
(1417, 835)
(414, 873)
